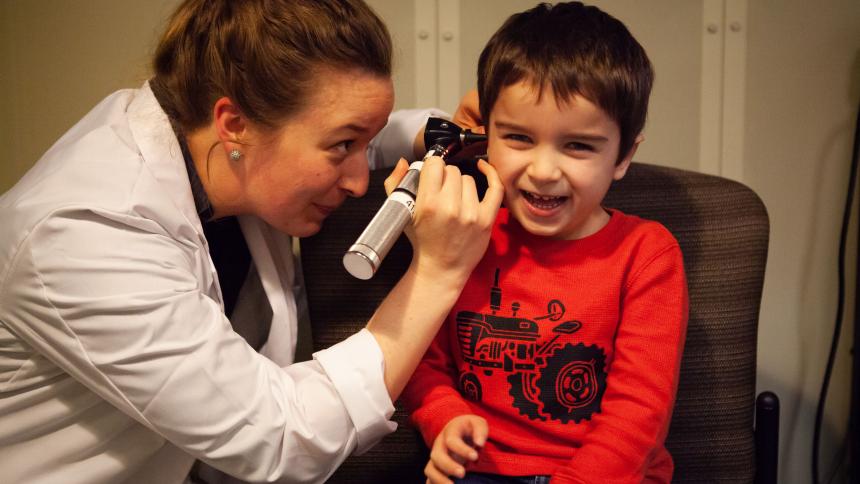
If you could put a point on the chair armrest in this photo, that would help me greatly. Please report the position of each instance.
(766, 437)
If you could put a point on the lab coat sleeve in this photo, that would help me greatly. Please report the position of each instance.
(121, 306)
(396, 138)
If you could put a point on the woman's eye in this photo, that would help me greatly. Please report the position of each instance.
(343, 147)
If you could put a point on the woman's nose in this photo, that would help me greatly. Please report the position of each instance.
(355, 175)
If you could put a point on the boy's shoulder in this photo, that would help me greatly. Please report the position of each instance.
(623, 234)
(643, 230)
(620, 224)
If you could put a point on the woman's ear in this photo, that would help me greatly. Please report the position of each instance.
(230, 123)
(622, 166)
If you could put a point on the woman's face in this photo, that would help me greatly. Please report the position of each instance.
(303, 171)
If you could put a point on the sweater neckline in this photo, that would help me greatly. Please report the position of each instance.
(546, 247)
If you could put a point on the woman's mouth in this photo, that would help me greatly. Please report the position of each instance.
(543, 202)
(325, 209)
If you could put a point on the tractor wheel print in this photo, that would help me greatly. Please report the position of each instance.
(523, 397)
(470, 387)
(572, 383)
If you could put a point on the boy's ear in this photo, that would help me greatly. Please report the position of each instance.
(230, 124)
(622, 166)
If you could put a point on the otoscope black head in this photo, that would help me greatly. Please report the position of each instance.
(441, 131)
(446, 133)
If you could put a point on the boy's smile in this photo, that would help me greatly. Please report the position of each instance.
(556, 159)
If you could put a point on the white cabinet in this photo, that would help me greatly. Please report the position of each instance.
(695, 119)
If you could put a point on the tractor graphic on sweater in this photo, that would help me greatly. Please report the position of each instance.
(547, 379)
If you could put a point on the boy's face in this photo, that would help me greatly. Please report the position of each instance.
(556, 161)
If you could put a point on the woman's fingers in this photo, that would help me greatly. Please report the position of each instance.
(432, 175)
(396, 175)
(450, 196)
(469, 207)
(493, 196)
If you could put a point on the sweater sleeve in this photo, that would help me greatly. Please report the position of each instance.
(642, 380)
(431, 396)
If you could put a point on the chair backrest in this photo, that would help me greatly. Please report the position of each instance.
(722, 227)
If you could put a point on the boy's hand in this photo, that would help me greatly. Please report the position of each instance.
(468, 113)
(457, 444)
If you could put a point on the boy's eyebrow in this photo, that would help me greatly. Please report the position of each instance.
(596, 138)
(511, 126)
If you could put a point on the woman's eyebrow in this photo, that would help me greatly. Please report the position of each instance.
(350, 128)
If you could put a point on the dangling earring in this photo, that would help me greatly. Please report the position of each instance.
(235, 155)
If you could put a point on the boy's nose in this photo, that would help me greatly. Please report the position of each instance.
(544, 166)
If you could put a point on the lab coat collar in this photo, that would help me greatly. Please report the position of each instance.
(160, 150)
(163, 158)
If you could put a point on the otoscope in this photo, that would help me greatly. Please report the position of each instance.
(364, 257)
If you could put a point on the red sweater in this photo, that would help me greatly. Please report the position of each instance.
(569, 348)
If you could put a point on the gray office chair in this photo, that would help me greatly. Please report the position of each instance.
(722, 227)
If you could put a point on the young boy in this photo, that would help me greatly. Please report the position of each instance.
(560, 360)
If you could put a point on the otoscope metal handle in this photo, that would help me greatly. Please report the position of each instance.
(366, 254)
(364, 257)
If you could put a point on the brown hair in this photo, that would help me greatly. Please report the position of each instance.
(265, 55)
(573, 49)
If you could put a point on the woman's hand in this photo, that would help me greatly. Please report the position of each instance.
(449, 234)
(451, 226)
(457, 443)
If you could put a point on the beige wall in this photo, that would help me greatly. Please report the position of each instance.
(398, 16)
(59, 57)
(803, 87)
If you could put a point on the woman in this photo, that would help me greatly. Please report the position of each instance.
(129, 244)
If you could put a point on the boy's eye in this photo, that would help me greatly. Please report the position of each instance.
(577, 146)
(519, 138)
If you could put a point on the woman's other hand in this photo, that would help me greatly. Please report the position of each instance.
(468, 113)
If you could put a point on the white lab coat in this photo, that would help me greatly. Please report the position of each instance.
(117, 363)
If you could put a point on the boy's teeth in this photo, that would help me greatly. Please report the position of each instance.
(541, 197)
(542, 201)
